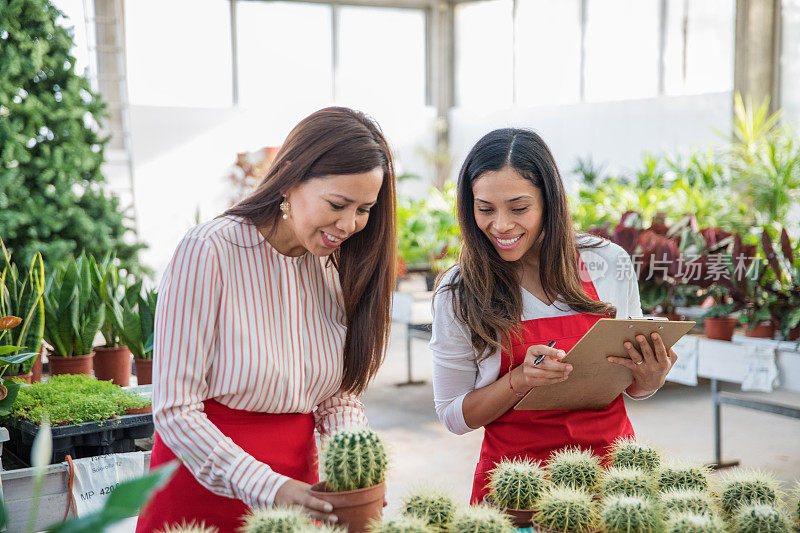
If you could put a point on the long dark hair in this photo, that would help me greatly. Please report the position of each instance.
(338, 140)
(488, 297)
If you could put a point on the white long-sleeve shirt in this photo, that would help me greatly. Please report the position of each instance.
(455, 370)
(255, 330)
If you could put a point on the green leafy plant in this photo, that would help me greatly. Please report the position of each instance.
(138, 324)
(627, 482)
(434, 506)
(275, 520)
(785, 287)
(401, 524)
(9, 388)
(683, 475)
(517, 483)
(575, 468)
(54, 199)
(428, 233)
(72, 307)
(761, 518)
(631, 514)
(118, 299)
(746, 487)
(21, 295)
(627, 452)
(72, 399)
(354, 458)
(566, 509)
(694, 523)
(481, 519)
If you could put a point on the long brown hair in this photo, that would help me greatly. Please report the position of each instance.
(488, 297)
(338, 140)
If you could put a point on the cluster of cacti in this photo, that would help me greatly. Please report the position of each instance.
(626, 482)
(688, 501)
(275, 520)
(191, 527)
(745, 487)
(436, 507)
(402, 524)
(761, 518)
(627, 453)
(695, 523)
(566, 509)
(481, 519)
(574, 468)
(354, 458)
(683, 475)
(517, 484)
(631, 514)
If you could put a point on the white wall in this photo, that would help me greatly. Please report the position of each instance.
(790, 63)
(614, 133)
(182, 157)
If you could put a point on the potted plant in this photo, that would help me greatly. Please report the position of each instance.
(22, 297)
(434, 506)
(138, 327)
(112, 361)
(786, 286)
(515, 486)
(566, 509)
(9, 355)
(89, 417)
(354, 461)
(73, 316)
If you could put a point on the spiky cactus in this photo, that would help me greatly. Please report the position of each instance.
(695, 523)
(627, 453)
(795, 505)
(687, 501)
(322, 528)
(761, 518)
(402, 524)
(354, 458)
(517, 484)
(575, 468)
(191, 527)
(566, 509)
(481, 519)
(275, 520)
(626, 482)
(744, 487)
(631, 514)
(682, 475)
(434, 506)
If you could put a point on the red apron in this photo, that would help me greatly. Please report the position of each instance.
(283, 441)
(535, 434)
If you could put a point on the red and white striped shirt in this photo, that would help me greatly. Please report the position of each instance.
(255, 330)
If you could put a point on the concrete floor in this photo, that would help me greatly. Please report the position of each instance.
(678, 419)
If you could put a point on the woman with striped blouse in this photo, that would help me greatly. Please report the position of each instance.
(271, 321)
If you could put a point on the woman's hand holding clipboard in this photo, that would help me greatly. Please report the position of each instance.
(649, 364)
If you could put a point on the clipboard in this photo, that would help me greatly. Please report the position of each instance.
(595, 382)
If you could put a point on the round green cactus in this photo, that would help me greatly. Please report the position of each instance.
(627, 482)
(631, 514)
(795, 505)
(744, 487)
(354, 458)
(566, 509)
(517, 484)
(574, 468)
(682, 475)
(402, 524)
(687, 501)
(694, 523)
(191, 527)
(323, 528)
(481, 519)
(627, 453)
(761, 518)
(275, 520)
(434, 506)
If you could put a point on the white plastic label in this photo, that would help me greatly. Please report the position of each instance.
(97, 477)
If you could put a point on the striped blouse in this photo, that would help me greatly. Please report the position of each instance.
(255, 330)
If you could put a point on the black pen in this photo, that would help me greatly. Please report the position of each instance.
(541, 357)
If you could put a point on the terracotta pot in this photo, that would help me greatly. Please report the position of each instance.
(720, 328)
(763, 330)
(27, 378)
(77, 364)
(144, 371)
(113, 364)
(140, 411)
(37, 368)
(355, 509)
(794, 333)
(522, 518)
(672, 317)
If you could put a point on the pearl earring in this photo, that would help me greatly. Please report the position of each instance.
(285, 208)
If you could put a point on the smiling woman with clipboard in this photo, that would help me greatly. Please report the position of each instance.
(525, 279)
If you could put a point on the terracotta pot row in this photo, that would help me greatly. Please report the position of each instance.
(722, 329)
(108, 364)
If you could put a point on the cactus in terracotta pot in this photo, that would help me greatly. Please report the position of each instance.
(682, 475)
(627, 452)
(481, 519)
(575, 468)
(402, 524)
(432, 505)
(566, 509)
(626, 482)
(745, 487)
(631, 514)
(275, 520)
(688, 501)
(517, 484)
(354, 458)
